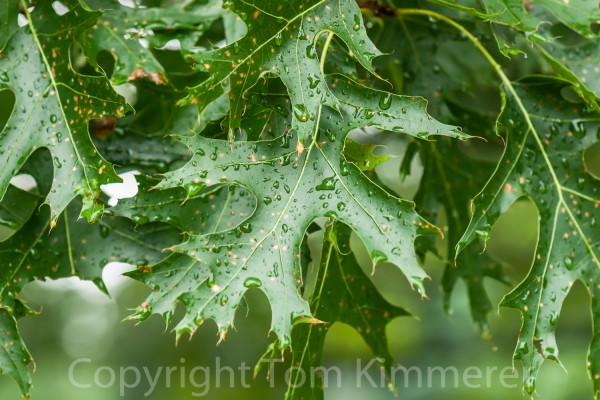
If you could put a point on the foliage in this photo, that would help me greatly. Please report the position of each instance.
(242, 120)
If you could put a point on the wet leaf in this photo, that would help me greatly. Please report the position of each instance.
(343, 293)
(242, 137)
(130, 35)
(579, 15)
(282, 41)
(52, 109)
(8, 17)
(450, 180)
(543, 160)
(576, 60)
(14, 357)
(76, 248)
(292, 188)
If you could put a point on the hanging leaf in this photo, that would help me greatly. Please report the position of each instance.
(292, 190)
(282, 41)
(131, 34)
(343, 293)
(543, 161)
(52, 109)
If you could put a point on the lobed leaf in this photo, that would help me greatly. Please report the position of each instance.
(343, 293)
(52, 109)
(543, 161)
(281, 40)
(292, 190)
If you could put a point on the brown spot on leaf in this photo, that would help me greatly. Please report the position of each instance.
(102, 128)
(155, 77)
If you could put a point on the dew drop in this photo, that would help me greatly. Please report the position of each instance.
(252, 282)
(385, 102)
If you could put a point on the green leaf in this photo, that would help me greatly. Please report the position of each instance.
(512, 13)
(16, 208)
(343, 293)
(14, 357)
(579, 15)
(267, 113)
(448, 71)
(543, 160)
(282, 41)
(76, 248)
(450, 179)
(9, 9)
(508, 16)
(52, 109)
(578, 61)
(214, 210)
(292, 190)
(194, 214)
(252, 141)
(121, 29)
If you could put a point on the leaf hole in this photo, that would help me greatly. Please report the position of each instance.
(22, 20)
(7, 105)
(131, 3)
(518, 250)
(79, 62)
(254, 316)
(591, 160)
(24, 182)
(390, 144)
(59, 8)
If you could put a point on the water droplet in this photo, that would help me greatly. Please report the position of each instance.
(356, 26)
(252, 282)
(300, 112)
(378, 256)
(224, 300)
(578, 129)
(104, 231)
(568, 261)
(327, 184)
(385, 101)
(35, 254)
